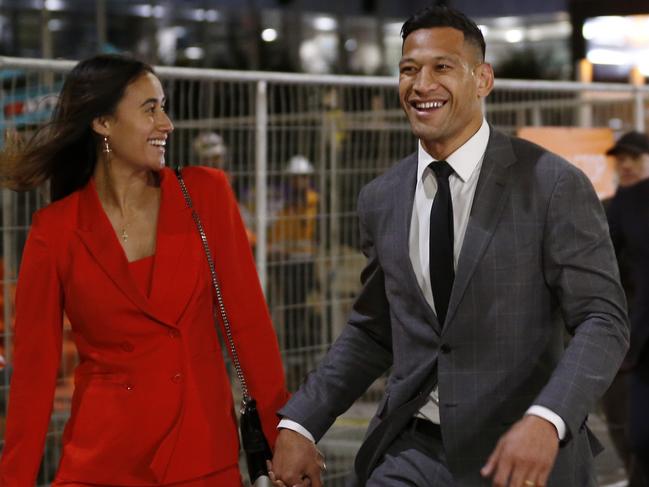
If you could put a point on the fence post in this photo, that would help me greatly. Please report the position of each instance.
(585, 110)
(261, 180)
(639, 109)
(8, 276)
(336, 316)
(101, 21)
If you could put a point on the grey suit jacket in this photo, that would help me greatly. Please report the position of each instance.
(536, 261)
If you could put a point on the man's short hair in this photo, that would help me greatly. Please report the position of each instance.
(443, 16)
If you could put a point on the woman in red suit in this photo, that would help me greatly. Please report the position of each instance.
(118, 252)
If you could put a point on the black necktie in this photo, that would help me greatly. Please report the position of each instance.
(440, 243)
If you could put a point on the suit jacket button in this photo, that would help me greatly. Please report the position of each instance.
(177, 378)
(445, 348)
(127, 346)
(174, 333)
(128, 387)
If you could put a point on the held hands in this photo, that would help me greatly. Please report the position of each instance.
(296, 461)
(524, 455)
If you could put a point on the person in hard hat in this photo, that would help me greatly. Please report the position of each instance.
(211, 151)
(292, 246)
(292, 236)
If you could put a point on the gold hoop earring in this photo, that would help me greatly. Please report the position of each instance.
(106, 150)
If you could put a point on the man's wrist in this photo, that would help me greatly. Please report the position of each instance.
(551, 416)
(289, 424)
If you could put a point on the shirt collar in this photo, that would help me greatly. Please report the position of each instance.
(464, 160)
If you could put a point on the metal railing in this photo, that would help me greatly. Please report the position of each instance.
(349, 128)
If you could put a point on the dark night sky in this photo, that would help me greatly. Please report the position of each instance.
(391, 8)
(475, 8)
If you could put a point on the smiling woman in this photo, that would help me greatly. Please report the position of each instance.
(134, 138)
(118, 253)
(137, 131)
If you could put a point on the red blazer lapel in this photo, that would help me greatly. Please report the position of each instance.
(175, 268)
(178, 262)
(97, 234)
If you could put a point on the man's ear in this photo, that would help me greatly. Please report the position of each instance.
(101, 126)
(485, 78)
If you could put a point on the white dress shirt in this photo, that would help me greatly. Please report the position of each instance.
(466, 162)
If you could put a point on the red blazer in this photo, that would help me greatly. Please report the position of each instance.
(152, 401)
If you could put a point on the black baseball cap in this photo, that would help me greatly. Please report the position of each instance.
(634, 143)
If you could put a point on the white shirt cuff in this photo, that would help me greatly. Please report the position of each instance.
(292, 425)
(551, 416)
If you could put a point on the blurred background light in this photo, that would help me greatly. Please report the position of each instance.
(325, 23)
(269, 35)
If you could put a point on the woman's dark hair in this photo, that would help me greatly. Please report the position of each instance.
(65, 149)
(443, 16)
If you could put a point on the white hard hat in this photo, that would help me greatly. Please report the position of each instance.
(209, 144)
(299, 165)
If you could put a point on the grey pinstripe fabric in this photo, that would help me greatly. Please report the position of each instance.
(410, 461)
(536, 261)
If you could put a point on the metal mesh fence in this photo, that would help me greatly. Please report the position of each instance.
(297, 149)
(516, 104)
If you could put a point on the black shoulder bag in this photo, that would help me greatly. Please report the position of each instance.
(254, 442)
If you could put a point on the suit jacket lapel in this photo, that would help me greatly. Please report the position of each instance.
(404, 199)
(489, 200)
(174, 274)
(178, 261)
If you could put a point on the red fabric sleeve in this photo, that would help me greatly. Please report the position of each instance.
(252, 328)
(35, 361)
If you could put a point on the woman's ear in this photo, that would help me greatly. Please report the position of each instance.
(101, 126)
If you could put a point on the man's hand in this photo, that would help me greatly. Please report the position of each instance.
(296, 461)
(524, 456)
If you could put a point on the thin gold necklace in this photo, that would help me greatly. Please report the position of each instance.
(123, 233)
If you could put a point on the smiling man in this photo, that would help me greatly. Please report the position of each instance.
(482, 250)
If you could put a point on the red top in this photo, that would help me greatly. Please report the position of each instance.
(142, 272)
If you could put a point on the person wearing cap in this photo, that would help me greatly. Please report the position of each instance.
(292, 246)
(628, 217)
(631, 153)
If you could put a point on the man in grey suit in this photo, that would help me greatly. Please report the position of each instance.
(482, 250)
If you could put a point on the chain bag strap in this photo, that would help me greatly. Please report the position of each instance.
(255, 445)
